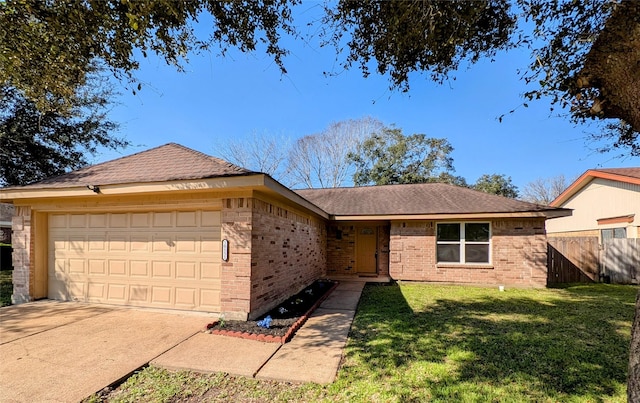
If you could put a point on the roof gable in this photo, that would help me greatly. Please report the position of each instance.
(625, 175)
(165, 163)
(414, 199)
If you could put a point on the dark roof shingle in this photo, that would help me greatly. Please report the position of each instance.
(425, 198)
(630, 172)
(165, 163)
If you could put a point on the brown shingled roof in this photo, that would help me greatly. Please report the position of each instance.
(165, 163)
(630, 172)
(425, 198)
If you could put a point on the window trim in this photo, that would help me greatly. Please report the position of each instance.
(613, 233)
(462, 242)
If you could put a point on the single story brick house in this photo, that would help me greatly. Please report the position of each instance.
(174, 228)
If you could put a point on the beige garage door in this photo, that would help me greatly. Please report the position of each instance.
(151, 259)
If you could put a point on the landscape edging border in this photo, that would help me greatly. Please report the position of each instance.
(276, 339)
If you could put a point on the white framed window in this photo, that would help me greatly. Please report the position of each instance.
(463, 242)
(611, 233)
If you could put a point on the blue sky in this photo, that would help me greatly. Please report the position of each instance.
(218, 99)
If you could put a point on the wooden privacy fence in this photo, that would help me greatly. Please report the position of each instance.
(581, 260)
(572, 260)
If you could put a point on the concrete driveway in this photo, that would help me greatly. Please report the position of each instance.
(65, 351)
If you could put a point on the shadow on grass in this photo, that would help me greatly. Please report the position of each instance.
(443, 343)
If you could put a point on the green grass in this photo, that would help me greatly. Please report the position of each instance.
(6, 287)
(418, 342)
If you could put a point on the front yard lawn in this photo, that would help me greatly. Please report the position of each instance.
(416, 342)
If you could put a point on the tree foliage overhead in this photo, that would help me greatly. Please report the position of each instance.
(408, 36)
(390, 157)
(47, 47)
(584, 53)
(36, 145)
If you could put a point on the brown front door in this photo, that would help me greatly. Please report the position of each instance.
(366, 250)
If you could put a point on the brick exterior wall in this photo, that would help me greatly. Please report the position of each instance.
(275, 250)
(519, 255)
(288, 253)
(341, 250)
(236, 226)
(23, 249)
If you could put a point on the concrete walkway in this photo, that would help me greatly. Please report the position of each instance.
(313, 355)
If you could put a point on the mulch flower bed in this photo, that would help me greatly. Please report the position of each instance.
(285, 319)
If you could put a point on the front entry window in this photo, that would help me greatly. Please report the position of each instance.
(463, 242)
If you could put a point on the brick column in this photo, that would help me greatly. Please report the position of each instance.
(23, 275)
(235, 296)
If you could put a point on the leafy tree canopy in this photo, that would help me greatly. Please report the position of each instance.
(584, 53)
(497, 184)
(36, 145)
(390, 157)
(47, 47)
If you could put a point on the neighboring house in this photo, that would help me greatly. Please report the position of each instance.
(6, 213)
(174, 228)
(605, 203)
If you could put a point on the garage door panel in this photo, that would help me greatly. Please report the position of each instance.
(210, 245)
(77, 266)
(96, 244)
(76, 289)
(186, 244)
(185, 297)
(140, 243)
(210, 271)
(161, 220)
(76, 244)
(162, 244)
(116, 292)
(117, 267)
(186, 219)
(77, 220)
(117, 243)
(96, 291)
(140, 220)
(161, 269)
(139, 293)
(186, 270)
(161, 295)
(118, 221)
(97, 266)
(58, 221)
(163, 259)
(97, 221)
(209, 299)
(139, 268)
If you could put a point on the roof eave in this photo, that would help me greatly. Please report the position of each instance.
(289, 194)
(587, 177)
(10, 195)
(455, 216)
(257, 181)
